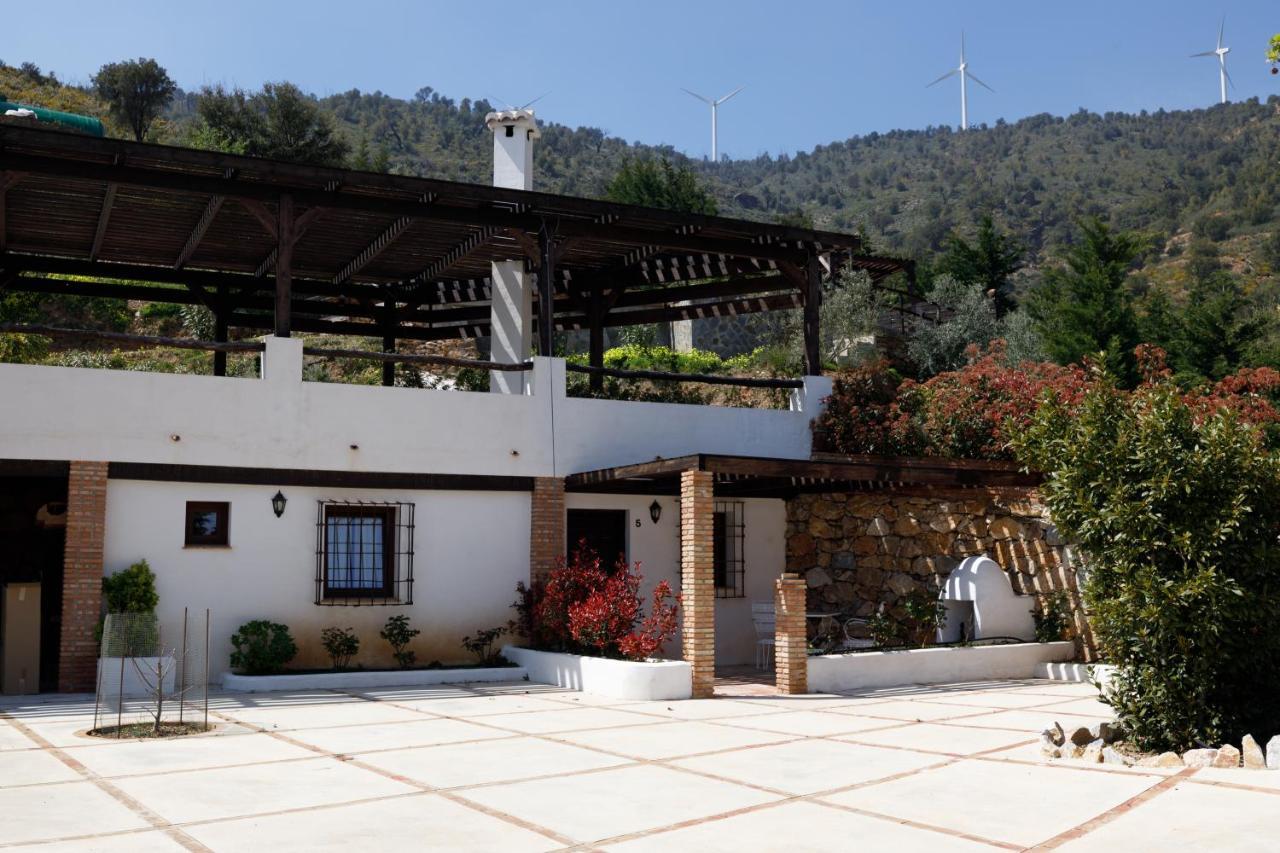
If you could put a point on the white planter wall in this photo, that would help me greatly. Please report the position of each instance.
(828, 673)
(618, 679)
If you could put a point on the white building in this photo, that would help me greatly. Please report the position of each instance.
(315, 504)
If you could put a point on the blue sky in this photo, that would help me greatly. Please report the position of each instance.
(814, 71)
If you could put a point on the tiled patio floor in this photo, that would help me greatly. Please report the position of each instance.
(526, 767)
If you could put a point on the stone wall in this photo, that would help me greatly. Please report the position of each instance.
(858, 550)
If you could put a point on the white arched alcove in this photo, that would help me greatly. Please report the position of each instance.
(979, 596)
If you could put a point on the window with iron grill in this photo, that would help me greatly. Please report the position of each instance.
(364, 553)
(727, 550)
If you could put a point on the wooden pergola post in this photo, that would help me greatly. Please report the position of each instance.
(812, 308)
(220, 331)
(595, 348)
(546, 291)
(389, 343)
(284, 267)
(697, 578)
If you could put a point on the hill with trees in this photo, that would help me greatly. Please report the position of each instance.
(1191, 196)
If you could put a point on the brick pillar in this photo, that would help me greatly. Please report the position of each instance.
(791, 642)
(82, 576)
(697, 578)
(546, 532)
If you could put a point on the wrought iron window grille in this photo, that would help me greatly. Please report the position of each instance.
(364, 553)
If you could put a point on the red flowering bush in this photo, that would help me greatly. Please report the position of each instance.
(961, 414)
(581, 607)
(971, 413)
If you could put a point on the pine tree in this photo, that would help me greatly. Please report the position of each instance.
(987, 264)
(1083, 308)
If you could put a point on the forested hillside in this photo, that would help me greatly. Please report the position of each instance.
(1191, 261)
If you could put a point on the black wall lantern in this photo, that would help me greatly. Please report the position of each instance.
(655, 511)
(278, 502)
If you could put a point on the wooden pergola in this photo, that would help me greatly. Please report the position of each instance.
(280, 247)
(762, 477)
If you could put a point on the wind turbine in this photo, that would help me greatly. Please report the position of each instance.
(1221, 52)
(965, 73)
(715, 151)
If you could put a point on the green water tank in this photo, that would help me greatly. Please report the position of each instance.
(84, 124)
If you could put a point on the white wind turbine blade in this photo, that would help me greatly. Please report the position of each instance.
(953, 72)
(1221, 26)
(1227, 74)
(730, 95)
(696, 95)
(979, 82)
(1206, 53)
(535, 100)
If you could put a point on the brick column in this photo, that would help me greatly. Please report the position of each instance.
(697, 578)
(546, 531)
(791, 642)
(82, 576)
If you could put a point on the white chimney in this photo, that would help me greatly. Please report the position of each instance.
(513, 135)
(511, 314)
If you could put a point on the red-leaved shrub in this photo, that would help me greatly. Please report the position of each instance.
(972, 412)
(581, 607)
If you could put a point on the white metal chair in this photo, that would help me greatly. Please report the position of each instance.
(765, 621)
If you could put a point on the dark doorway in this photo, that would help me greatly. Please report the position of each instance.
(605, 531)
(32, 536)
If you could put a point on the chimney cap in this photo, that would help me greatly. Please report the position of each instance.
(519, 118)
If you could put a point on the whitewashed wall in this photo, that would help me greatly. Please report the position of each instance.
(657, 548)
(464, 575)
(283, 422)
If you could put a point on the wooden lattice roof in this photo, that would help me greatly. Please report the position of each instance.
(369, 253)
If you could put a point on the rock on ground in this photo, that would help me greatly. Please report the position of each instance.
(1093, 752)
(1273, 753)
(1200, 757)
(1253, 756)
(1228, 756)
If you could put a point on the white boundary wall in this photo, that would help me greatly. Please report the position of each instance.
(282, 422)
(859, 670)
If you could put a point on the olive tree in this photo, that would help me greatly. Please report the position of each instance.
(136, 92)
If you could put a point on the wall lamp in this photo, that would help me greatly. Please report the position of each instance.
(655, 511)
(277, 503)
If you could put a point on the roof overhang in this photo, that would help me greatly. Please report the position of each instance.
(755, 476)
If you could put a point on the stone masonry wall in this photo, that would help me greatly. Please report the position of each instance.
(858, 550)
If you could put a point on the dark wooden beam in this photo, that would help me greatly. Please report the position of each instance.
(201, 228)
(104, 218)
(375, 248)
(7, 180)
(284, 266)
(163, 472)
(456, 254)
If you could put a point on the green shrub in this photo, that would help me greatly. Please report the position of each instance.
(398, 633)
(481, 644)
(341, 644)
(1051, 618)
(132, 590)
(262, 647)
(1176, 507)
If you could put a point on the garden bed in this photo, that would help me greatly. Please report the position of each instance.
(828, 673)
(617, 679)
(360, 679)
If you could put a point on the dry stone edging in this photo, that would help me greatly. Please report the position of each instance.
(1093, 744)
